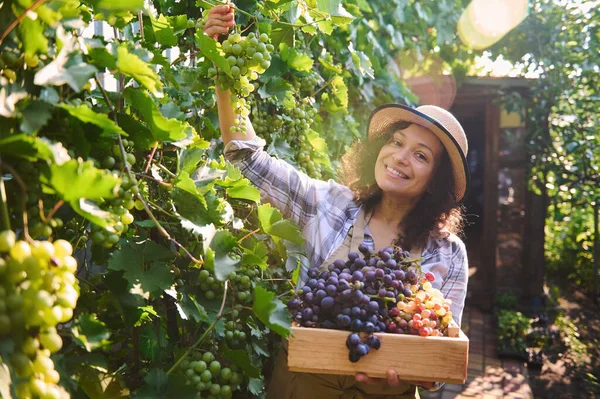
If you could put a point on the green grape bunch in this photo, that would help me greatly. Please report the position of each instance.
(38, 291)
(248, 57)
(207, 374)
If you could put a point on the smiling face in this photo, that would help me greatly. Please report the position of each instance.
(407, 162)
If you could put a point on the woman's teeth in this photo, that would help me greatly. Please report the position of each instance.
(396, 173)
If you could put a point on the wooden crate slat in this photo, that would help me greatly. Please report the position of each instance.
(443, 359)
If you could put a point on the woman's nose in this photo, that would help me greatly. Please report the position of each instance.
(401, 155)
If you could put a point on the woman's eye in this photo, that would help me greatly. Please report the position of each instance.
(397, 143)
(421, 156)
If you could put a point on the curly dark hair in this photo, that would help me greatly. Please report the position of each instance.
(438, 213)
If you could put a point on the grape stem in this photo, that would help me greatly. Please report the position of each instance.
(331, 80)
(19, 18)
(206, 332)
(4, 204)
(139, 195)
(23, 188)
(248, 235)
(162, 183)
(56, 208)
(151, 157)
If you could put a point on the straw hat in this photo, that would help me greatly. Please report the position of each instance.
(441, 123)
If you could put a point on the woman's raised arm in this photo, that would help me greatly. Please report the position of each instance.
(219, 20)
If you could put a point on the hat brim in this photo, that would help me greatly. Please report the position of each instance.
(386, 115)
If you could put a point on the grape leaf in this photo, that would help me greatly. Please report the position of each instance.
(131, 65)
(116, 5)
(256, 386)
(32, 35)
(76, 179)
(24, 146)
(189, 307)
(87, 115)
(272, 223)
(271, 311)
(362, 62)
(35, 116)
(89, 332)
(242, 359)
(163, 31)
(92, 212)
(246, 192)
(334, 8)
(277, 87)
(162, 129)
(209, 48)
(222, 244)
(99, 385)
(144, 266)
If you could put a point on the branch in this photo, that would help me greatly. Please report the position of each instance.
(140, 197)
(19, 18)
(56, 208)
(151, 156)
(4, 204)
(23, 188)
(248, 235)
(209, 329)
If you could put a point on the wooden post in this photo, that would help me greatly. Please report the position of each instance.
(596, 250)
(490, 208)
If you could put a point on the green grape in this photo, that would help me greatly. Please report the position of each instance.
(7, 240)
(206, 376)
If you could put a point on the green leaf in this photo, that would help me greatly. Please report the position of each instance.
(137, 131)
(242, 359)
(273, 224)
(211, 50)
(282, 34)
(35, 116)
(320, 155)
(32, 35)
(339, 15)
(189, 307)
(271, 311)
(131, 65)
(163, 31)
(256, 386)
(300, 61)
(277, 87)
(92, 212)
(326, 27)
(162, 129)
(144, 265)
(222, 244)
(251, 259)
(171, 110)
(100, 385)
(89, 332)
(247, 192)
(76, 179)
(85, 114)
(116, 5)
(362, 62)
(24, 146)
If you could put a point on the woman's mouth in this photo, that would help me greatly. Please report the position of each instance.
(396, 173)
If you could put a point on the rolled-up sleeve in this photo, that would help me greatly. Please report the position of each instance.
(294, 193)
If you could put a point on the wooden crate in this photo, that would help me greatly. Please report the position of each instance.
(415, 358)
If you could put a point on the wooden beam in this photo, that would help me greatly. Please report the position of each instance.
(490, 208)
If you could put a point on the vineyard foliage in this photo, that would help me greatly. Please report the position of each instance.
(182, 273)
(559, 43)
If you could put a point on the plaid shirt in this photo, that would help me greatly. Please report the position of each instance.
(326, 211)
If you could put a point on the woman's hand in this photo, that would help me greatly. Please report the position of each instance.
(219, 21)
(391, 379)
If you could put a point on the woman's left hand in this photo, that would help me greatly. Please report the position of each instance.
(392, 379)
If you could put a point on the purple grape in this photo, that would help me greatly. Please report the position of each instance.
(312, 283)
(332, 281)
(390, 294)
(407, 292)
(382, 292)
(387, 279)
(357, 296)
(354, 356)
(353, 339)
(313, 272)
(293, 303)
(343, 320)
(308, 298)
(357, 276)
(331, 290)
(372, 262)
(391, 263)
(327, 303)
(368, 327)
(370, 276)
(373, 306)
(356, 325)
(360, 263)
(399, 274)
(331, 267)
(374, 342)
(352, 256)
(381, 325)
(306, 289)
(307, 314)
(365, 300)
(379, 273)
(384, 256)
(339, 264)
(320, 295)
(362, 349)
(345, 276)
(364, 249)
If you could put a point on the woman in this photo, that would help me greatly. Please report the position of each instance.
(402, 186)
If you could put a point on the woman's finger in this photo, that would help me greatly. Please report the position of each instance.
(362, 377)
(223, 24)
(392, 378)
(215, 31)
(220, 9)
(222, 17)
